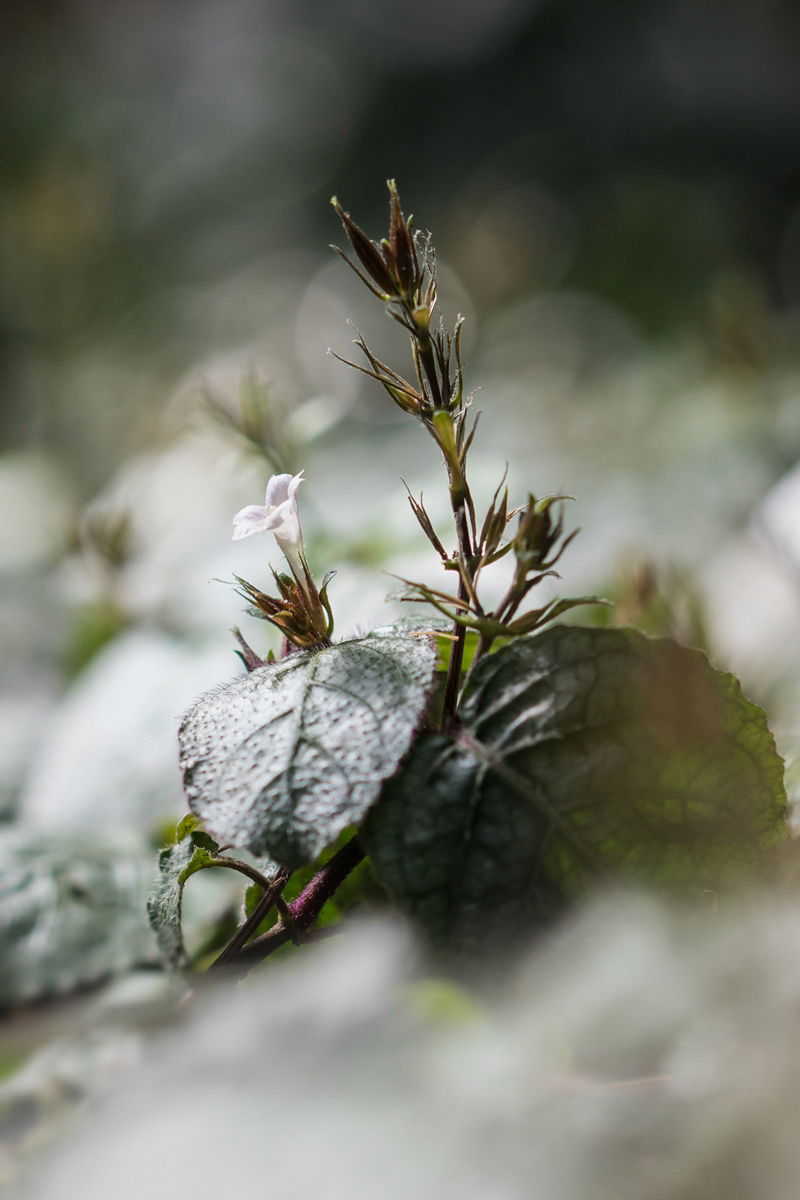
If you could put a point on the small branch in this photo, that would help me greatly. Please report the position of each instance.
(305, 910)
(235, 864)
(294, 931)
(485, 642)
(271, 895)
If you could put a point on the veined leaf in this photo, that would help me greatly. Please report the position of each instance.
(285, 758)
(585, 754)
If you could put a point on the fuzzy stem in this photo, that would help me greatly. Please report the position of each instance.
(307, 907)
(429, 365)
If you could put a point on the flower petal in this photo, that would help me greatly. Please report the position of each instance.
(284, 523)
(276, 516)
(282, 488)
(277, 490)
(251, 519)
(288, 534)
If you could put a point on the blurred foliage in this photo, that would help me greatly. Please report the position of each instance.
(71, 911)
(637, 151)
(661, 601)
(93, 627)
(655, 245)
(443, 1002)
(257, 419)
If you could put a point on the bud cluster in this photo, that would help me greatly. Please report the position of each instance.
(401, 272)
(303, 614)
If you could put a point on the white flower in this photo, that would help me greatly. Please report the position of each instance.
(278, 516)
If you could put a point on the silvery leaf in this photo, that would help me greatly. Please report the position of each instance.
(285, 758)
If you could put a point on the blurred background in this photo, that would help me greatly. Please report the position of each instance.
(613, 187)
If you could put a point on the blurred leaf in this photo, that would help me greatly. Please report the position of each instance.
(283, 759)
(72, 911)
(95, 625)
(251, 899)
(585, 754)
(442, 1002)
(185, 826)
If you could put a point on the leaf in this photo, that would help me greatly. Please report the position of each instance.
(72, 911)
(285, 758)
(251, 899)
(194, 852)
(185, 826)
(176, 864)
(585, 754)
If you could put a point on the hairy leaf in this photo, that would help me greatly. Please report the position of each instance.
(285, 758)
(176, 865)
(585, 754)
(72, 911)
(194, 851)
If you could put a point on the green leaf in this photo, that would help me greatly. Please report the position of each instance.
(204, 840)
(285, 758)
(72, 911)
(585, 755)
(185, 826)
(251, 899)
(176, 864)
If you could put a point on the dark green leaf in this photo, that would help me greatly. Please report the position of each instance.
(586, 754)
(205, 841)
(285, 758)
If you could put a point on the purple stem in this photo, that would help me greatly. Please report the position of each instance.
(305, 910)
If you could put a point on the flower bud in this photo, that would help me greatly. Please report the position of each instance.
(367, 252)
(401, 243)
(422, 318)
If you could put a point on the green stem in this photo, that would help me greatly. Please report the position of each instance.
(425, 348)
(454, 666)
(235, 864)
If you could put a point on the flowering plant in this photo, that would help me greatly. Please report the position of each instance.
(482, 765)
(302, 613)
(278, 515)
